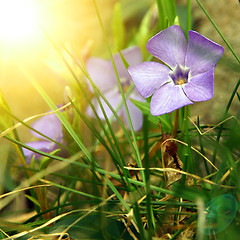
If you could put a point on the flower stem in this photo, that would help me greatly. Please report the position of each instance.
(175, 125)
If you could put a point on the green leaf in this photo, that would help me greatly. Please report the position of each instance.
(118, 28)
(46, 160)
(94, 226)
(164, 119)
(34, 200)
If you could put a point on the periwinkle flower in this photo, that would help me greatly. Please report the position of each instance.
(103, 75)
(188, 75)
(49, 126)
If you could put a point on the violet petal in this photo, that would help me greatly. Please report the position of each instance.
(169, 46)
(200, 87)
(101, 73)
(135, 114)
(114, 98)
(202, 53)
(167, 99)
(149, 76)
(44, 146)
(132, 55)
(48, 125)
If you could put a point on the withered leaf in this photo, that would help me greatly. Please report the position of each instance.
(170, 159)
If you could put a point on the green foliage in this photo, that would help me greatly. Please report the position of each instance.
(118, 28)
(166, 12)
(93, 226)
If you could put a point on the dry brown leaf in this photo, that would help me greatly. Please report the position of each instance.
(170, 159)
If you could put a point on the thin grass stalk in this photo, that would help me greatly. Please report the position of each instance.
(102, 141)
(83, 69)
(189, 16)
(150, 219)
(117, 163)
(99, 170)
(202, 147)
(73, 134)
(190, 163)
(160, 14)
(98, 92)
(139, 221)
(39, 194)
(136, 150)
(170, 10)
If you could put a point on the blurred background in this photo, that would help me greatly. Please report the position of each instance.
(25, 28)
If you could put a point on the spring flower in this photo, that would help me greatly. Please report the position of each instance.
(49, 126)
(103, 75)
(188, 75)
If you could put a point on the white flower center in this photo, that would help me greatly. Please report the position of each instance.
(179, 75)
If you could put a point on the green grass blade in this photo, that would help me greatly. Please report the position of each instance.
(61, 117)
(137, 154)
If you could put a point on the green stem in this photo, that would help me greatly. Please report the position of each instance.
(160, 14)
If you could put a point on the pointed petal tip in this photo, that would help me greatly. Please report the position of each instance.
(169, 46)
(202, 53)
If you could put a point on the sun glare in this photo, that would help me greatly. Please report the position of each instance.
(18, 20)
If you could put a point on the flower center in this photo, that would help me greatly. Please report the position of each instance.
(125, 83)
(179, 75)
(181, 81)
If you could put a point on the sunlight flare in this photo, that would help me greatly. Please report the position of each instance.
(18, 19)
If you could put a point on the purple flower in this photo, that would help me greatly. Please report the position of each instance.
(188, 75)
(103, 75)
(49, 126)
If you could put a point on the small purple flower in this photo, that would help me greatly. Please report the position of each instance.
(103, 75)
(188, 75)
(49, 126)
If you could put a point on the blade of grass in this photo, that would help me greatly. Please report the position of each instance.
(136, 151)
(189, 16)
(202, 148)
(84, 70)
(160, 14)
(170, 7)
(69, 129)
(108, 121)
(150, 220)
(100, 170)
(97, 91)
(61, 117)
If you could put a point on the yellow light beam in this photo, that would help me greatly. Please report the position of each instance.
(18, 19)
